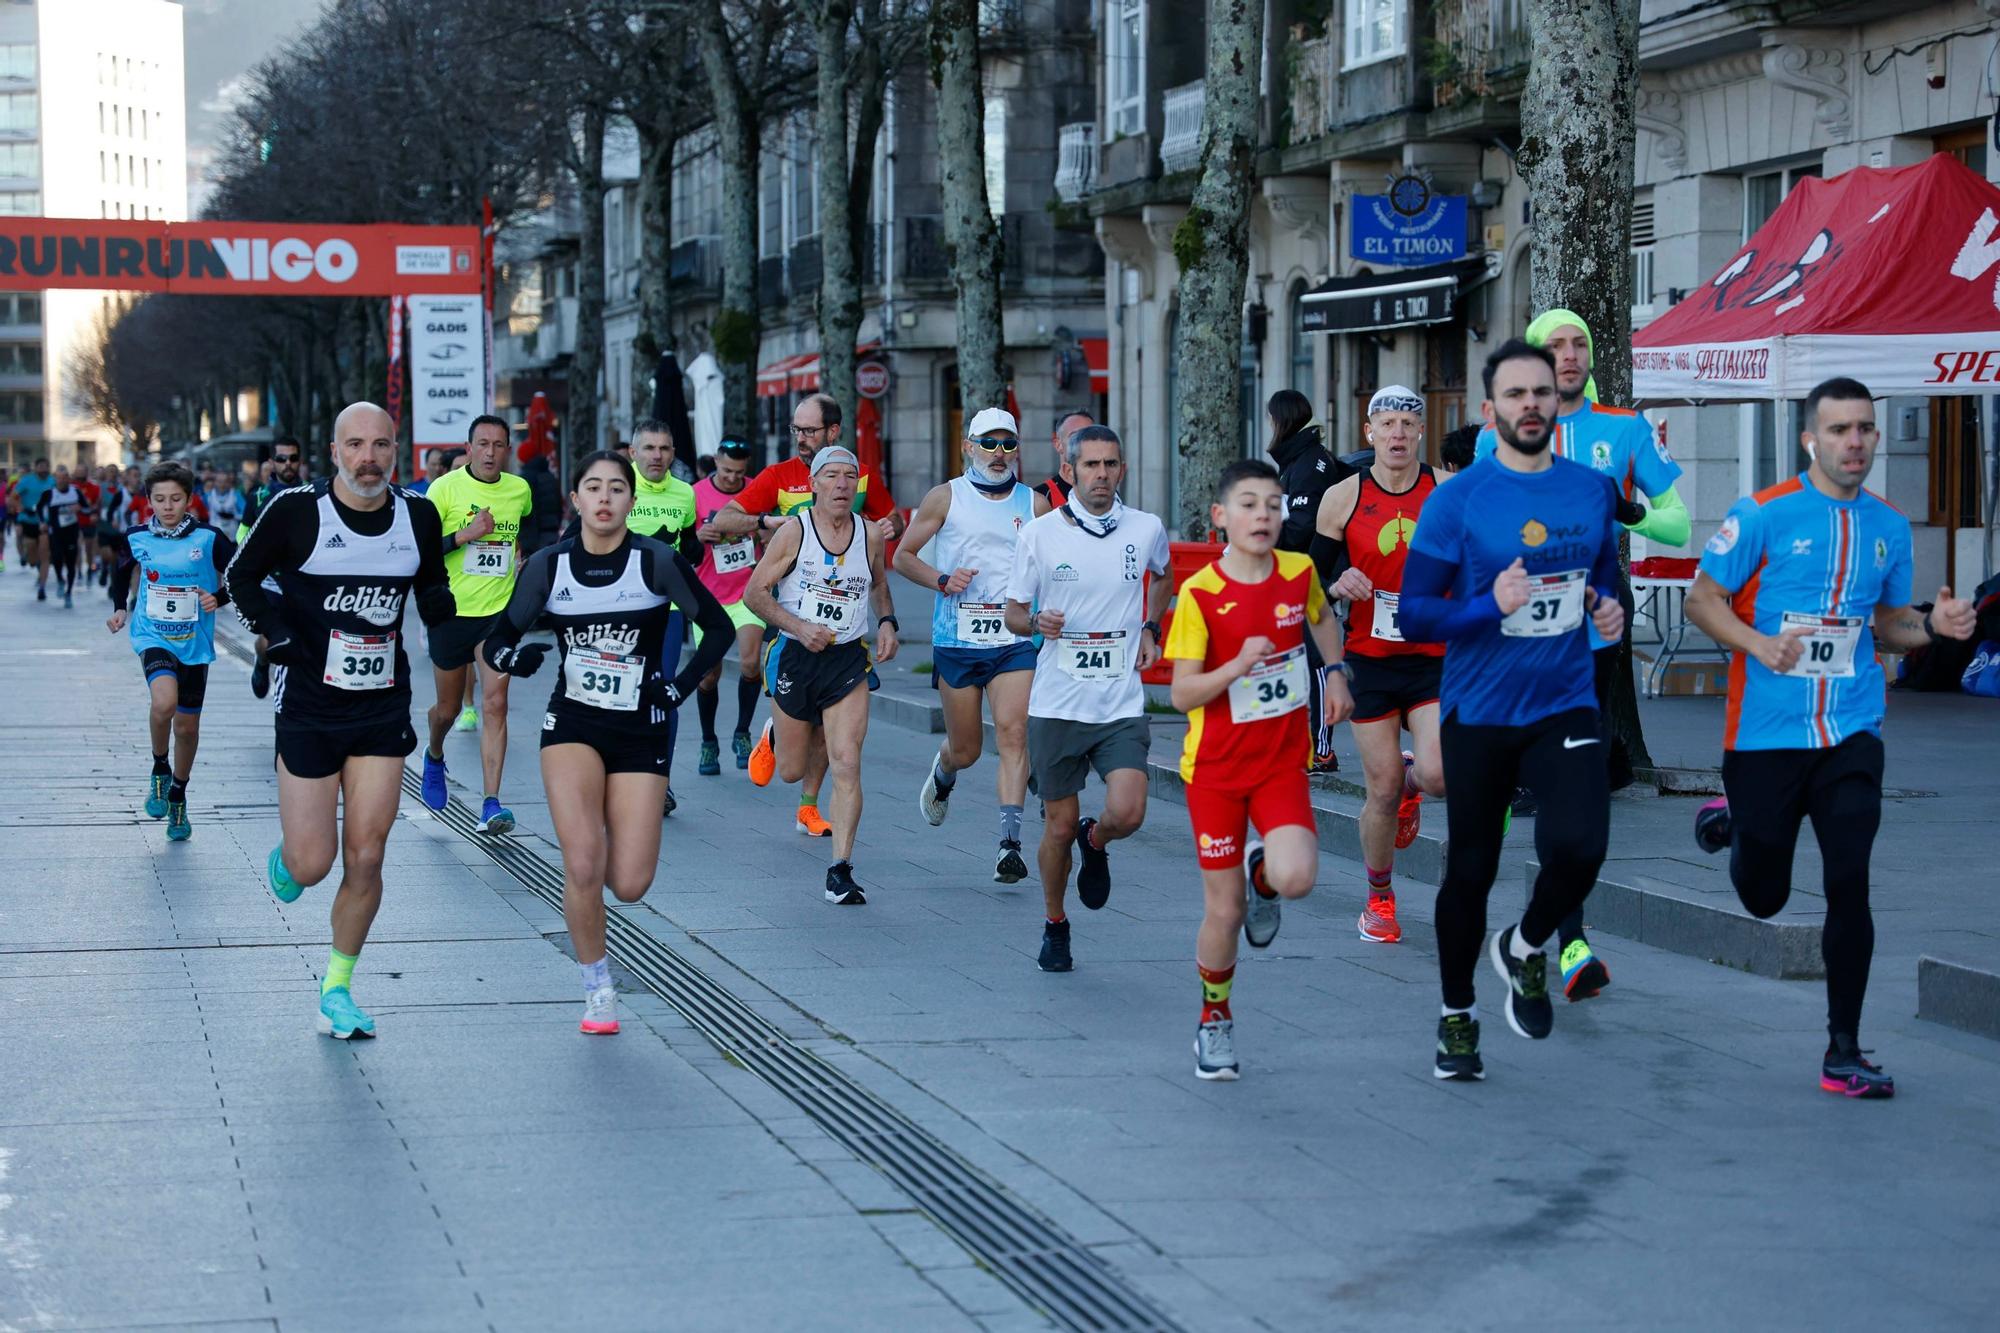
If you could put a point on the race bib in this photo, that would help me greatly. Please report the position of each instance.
(490, 560)
(360, 661)
(603, 680)
(1554, 606)
(1272, 688)
(172, 604)
(824, 604)
(66, 516)
(1828, 645)
(983, 624)
(1092, 657)
(1383, 624)
(734, 557)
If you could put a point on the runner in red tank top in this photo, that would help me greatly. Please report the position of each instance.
(1372, 516)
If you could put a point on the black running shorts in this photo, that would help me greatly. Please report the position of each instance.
(317, 751)
(192, 680)
(806, 684)
(625, 745)
(453, 643)
(1390, 687)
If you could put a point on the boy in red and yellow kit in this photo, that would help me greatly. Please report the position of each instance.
(1238, 648)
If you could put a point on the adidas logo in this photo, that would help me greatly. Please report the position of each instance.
(562, 595)
(334, 543)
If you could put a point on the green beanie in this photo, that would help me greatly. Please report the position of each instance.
(1548, 322)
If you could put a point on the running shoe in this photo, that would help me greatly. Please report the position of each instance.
(1215, 1050)
(1583, 973)
(341, 1018)
(283, 887)
(69, 600)
(468, 719)
(1528, 1011)
(1409, 810)
(494, 818)
(1093, 877)
(1458, 1049)
(739, 745)
(260, 677)
(812, 823)
(178, 827)
(841, 890)
(1523, 803)
(1260, 914)
(1712, 827)
(763, 762)
(435, 792)
(1008, 867)
(710, 763)
(1325, 761)
(1378, 920)
(1055, 947)
(935, 804)
(600, 1013)
(1848, 1071)
(156, 795)
(669, 804)
(41, 593)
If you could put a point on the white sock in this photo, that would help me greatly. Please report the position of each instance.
(596, 976)
(1472, 1013)
(1519, 947)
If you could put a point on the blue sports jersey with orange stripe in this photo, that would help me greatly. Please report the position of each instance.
(1793, 551)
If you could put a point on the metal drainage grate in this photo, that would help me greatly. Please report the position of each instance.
(1041, 1262)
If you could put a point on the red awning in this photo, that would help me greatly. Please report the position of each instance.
(805, 378)
(1097, 355)
(1885, 275)
(775, 380)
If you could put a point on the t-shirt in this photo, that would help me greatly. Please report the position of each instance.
(92, 496)
(1794, 554)
(739, 553)
(786, 487)
(28, 493)
(662, 508)
(482, 572)
(172, 570)
(1090, 672)
(1561, 522)
(1212, 620)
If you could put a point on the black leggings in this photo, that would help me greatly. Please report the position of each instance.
(1840, 789)
(1561, 760)
(62, 555)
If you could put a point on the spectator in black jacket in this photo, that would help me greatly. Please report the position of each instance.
(1305, 468)
(544, 522)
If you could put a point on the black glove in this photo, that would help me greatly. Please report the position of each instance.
(660, 692)
(1630, 512)
(435, 605)
(520, 660)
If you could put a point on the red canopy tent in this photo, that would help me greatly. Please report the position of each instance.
(1891, 276)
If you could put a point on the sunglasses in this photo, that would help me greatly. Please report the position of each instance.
(994, 445)
(733, 449)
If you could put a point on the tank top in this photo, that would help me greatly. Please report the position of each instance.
(829, 588)
(346, 605)
(978, 533)
(610, 633)
(1378, 541)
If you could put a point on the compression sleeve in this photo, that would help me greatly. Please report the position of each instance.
(689, 545)
(432, 585)
(282, 536)
(531, 595)
(1667, 521)
(1427, 614)
(121, 572)
(674, 578)
(221, 552)
(1329, 557)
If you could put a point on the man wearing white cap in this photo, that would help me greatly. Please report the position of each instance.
(972, 525)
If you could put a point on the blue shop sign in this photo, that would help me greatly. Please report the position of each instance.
(1409, 225)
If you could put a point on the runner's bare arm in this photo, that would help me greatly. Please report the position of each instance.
(733, 520)
(1904, 628)
(881, 599)
(924, 525)
(1711, 608)
(777, 561)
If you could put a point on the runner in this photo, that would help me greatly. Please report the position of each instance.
(286, 456)
(346, 552)
(608, 592)
(480, 507)
(1055, 489)
(85, 561)
(1617, 443)
(1801, 583)
(27, 501)
(817, 591)
(111, 506)
(1508, 562)
(973, 524)
(725, 571)
(1076, 581)
(1372, 515)
(777, 492)
(1305, 470)
(173, 628)
(60, 509)
(663, 507)
(1240, 674)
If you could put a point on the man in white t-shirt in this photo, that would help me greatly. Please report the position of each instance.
(1077, 580)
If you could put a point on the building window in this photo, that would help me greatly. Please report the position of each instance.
(20, 358)
(804, 173)
(20, 203)
(1376, 30)
(1125, 70)
(18, 112)
(17, 60)
(20, 159)
(996, 153)
(1301, 377)
(1763, 193)
(1642, 255)
(772, 204)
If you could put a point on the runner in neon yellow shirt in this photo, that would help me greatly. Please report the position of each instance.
(663, 508)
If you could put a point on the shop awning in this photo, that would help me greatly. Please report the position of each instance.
(1097, 355)
(805, 377)
(1395, 299)
(775, 380)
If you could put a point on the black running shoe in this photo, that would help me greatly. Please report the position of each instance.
(1523, 804)
(841, 889)
(1528, 1010)
(1093, 877)
(1009, 868)
(1055, 947)
(1458, 1049)
(1847, 1071)
(670, 805)
(260, 677)
(1712, 827)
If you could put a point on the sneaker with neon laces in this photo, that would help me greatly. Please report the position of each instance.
(841, 890)
(1215, 1051)
(600, 1013)
(1527, 979)
(1093, 875)
(1584, 974)
(179, 829)
(1713, 831)
(283, 887)
(156, 795)
(812, 823)
(710, 763)
(739, 745)
(341, 1018)
(1008, 867)
(763, 763)
(435, 792)
(1261, 915)
(1378, 922)
(468, 720)
(1409, 810)
(494, 817)
(1458, 1049)
(1847, 1071)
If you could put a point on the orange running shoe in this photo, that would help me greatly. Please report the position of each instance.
(763, 759)
(812, 823)
(1378, 920)
(1410, 810)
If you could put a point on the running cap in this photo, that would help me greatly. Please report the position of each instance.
(1395, 398)
(991, 418)
(834, 453)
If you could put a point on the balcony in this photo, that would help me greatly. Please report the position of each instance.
(923, 256)
(1076, 161)
(771, 281)
(1180, 142)
(1476, 45)
(695, 265)
(1309, 74)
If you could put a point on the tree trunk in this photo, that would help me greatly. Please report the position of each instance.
(970, 236)
(1212, 246)
(580, 432)
(656, 199)
(737, 329)
(1577, 137)
(870, 83)
(840, 278)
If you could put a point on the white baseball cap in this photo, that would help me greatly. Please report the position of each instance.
(991, 418)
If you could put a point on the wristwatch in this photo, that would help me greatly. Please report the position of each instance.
(1154, 627)
(943, 580)
(1929, 630)
(891, 622)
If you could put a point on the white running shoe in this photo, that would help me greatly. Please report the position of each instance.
(600, 1012)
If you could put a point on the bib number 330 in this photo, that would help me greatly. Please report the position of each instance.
(360, 661)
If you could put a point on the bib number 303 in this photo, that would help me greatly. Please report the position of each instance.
(360, 661)
(1554, 606)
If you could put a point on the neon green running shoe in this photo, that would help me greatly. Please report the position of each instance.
(468, 719)
(283, 887)
(341, 1018)
(156, 795)
(1584, 974)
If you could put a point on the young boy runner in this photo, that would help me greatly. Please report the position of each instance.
(180, 563)
(1238, 646)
